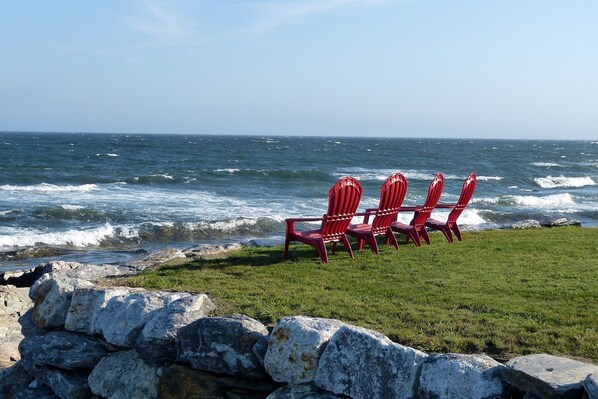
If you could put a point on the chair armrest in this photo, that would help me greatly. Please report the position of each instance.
(366, 215)
(445, 206)
(291, 223)
(411, 208)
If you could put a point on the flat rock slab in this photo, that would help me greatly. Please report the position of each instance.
(302, 391)
(362, 363)
(548, 376)
(63, 349)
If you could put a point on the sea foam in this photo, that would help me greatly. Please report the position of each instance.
(49, 188)
(562, 181)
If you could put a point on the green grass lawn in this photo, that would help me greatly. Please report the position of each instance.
(504, 293)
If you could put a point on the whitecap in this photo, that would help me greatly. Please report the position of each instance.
(112, 155)
(547, 164)
(76, 238)
(487, 178)
(49, 188)
(562, 181)
(70, 207)
(549, 201)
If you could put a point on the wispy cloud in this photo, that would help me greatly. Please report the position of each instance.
(275, 14)
(162, 25)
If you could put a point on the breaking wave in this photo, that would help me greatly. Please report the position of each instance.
(562, 181)
(49, 188)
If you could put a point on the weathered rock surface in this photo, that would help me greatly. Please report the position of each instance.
(211, 251)
(156, 343)
(548, 376)
(123, 318)
(14, 302)
(302, 391)
(180, 382)
(124, 375)
(361, 363)
(13, 379)
(86, 303)
(526, 224)
(591, 385)
(222, 345)
(63, 349)
(295, 347)
(65, 384)
(561, 222)
(52, 299)
(452, 376)
(157, 258)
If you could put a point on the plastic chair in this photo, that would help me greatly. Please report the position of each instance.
(416, 229)
(343, 199)
(392, 195)
(451, 222)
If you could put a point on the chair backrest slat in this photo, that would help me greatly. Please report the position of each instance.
(466, 194)
(434, 191)
(343, 200)
(392, 194)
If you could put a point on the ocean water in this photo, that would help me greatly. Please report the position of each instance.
(109, 198)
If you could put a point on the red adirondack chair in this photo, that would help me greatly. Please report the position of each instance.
(416, 228)
(343, 199)
(451, 222)
(392, 194)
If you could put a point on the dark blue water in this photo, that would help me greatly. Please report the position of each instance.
(101, 198)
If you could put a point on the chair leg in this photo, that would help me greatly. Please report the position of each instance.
(390, 238)
(334, 247)
(424, 233)
(321, 251)
(286, 248)
(360, 243)
(414, 235)
(347, 246)
(456, 230)
(372, 243)
(446, 230)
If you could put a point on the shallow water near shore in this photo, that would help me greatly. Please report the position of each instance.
(104, 198)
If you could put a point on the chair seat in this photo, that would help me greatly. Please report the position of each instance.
(309, 234)
(362, 227)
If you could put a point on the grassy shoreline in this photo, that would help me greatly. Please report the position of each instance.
(503, 292)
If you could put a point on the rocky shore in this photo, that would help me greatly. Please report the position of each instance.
(66, 334)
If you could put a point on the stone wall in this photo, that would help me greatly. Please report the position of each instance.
(77, 339)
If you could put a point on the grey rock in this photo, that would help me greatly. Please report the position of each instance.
(63, 349)
(14, 302)
(222, 345)
(211, 251)
(157, 258)
(13, 379)
(123, 318)
(562, 222)
(452, 376)
(548, 376)
(361, 363)
(65, 384)
(295, 347)
(526, 224)
(52, 299)
(86, 303)
(124, 375)
(591, 385)
(302, 391)
(156, 343)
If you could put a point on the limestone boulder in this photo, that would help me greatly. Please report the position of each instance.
(124, 375)
(123, 318)
(52, 299)
(361, 363)
(295, 347)
(63, 349)
(64, 383)
(591, 386)
(86, 304)
(222, 345)
(302, 391)
(13, 379)
(526, 224)
(156, 343)
(452, 376)
(548, 376)
(211, 251)
(14, 301)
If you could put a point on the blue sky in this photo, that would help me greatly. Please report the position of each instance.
(450, 68)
